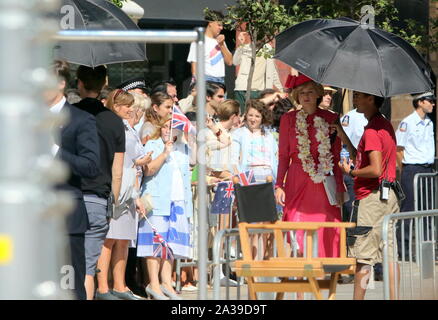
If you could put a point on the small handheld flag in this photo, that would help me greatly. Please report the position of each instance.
(223, 198)
(160, 246)
(181, 122)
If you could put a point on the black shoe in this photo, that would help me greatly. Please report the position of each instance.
(378, 272)
(139, 291)
(346, 279)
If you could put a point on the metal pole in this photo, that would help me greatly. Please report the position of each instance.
(128, 36)
(202, 184)
(385, 264)
(32, 221)
(217, 245)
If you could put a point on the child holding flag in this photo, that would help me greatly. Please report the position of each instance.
(165, 234)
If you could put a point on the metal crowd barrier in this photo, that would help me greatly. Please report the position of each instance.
(418, 273)
(213, 221)
(425, 191)
(417, 260)
(223, 240)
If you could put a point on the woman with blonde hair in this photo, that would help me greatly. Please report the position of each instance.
(307, 156)
(139, 107)
(123, 225)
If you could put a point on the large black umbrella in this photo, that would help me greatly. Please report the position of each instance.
(346, 54)
(96, 15)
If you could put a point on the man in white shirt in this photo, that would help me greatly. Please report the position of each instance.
(353, 124)
(265, 74)
(216, 51)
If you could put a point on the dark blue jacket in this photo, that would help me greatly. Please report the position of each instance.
(79, 149)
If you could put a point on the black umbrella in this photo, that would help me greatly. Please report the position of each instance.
(96, 15)
(346, 54)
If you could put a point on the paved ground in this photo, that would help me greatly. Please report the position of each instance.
(344, 292)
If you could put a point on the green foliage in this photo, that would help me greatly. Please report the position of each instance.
(386, 17)
(118, 3)
(433, 32)
(263, 19)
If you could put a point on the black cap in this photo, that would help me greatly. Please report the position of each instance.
(137, 83)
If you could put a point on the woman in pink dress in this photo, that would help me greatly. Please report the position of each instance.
(307, 154)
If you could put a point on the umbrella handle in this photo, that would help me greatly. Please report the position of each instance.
(344, 91)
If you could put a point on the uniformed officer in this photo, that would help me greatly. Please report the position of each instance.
(415, 149)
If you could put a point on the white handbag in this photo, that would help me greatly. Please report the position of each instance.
(330, 190)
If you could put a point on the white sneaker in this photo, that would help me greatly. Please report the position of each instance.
(225, 280)
(190, 287)
(233, 253)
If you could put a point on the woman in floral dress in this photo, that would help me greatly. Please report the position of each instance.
(307, 154)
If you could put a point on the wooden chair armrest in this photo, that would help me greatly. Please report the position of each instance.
(284, 225)
(281, 225)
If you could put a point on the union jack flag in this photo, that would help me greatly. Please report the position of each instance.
(246, 178)
(229, 190)
(161, 248)
(181, 122)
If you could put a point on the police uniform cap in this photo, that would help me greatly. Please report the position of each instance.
(426, 95)
(137, 83)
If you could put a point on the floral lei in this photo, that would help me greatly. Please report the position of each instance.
(322, 136)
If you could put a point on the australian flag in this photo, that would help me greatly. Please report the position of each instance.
(223, 198)
(181, 122)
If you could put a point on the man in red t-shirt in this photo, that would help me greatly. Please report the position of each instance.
(375, 162)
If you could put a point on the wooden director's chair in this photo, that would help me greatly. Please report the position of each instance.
(256, 203)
